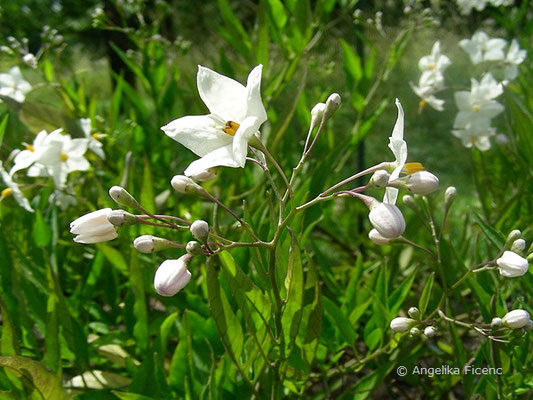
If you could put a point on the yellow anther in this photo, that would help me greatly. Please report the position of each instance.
(29, 147)
(476, 108)
(6, 192)
(95, 136)
(431, 66)
(422, 103)
(63, 157)
(231, 128)
(411, 168)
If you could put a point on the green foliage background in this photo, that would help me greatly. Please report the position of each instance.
(68, 309)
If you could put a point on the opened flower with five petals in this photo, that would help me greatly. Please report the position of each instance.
(221, 137)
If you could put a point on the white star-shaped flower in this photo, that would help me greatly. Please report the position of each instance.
(31, 155)
(482, 48)
(13, 190)
(13, 85)
(432, 67)
(94, 144)
(515, 56)
(398, 147)
(426, 94)
(221, 137)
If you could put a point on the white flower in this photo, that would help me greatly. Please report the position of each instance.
(516, 319)
(399, 148)
(221, 137)
(13, 85)
(482, 48)
(515, 56)
(62, 200)
(401, 324)
(466, 6)
(433, 66)
(172, 276)
(94, 144)
(387, 219)
(93, 227)
(512, 265)
(476, 135)
(426, 94)
(33, 152)
(63, 156)
(13, 189)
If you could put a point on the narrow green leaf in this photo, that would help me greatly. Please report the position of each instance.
(140, 328)
(9, 345)
(42, 234)
(131, 396)
(131, 65)
(3, 126)
(352, 65)
(495, 237)
(426, 294)
(52, 352)
(341, 321)
(114, 257)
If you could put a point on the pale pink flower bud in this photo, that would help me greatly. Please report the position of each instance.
(512, 265)
(172, 276)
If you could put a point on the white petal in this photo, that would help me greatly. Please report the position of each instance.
(93, 218)
(255, 106)
(223, 96)
(88, 238)
(201, 134)
(240, 141)
(23, 160)
(76, 147)
(85, 124)
(97, 148)
(223, 156)
(397, 132)
(77, 164)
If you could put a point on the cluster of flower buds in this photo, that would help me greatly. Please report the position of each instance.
(511, 263)
(413, 324)
(515, 319)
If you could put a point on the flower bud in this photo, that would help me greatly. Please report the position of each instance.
(449, 196)
(422, 182)
(93, 227)
(401, 324)
(332, 104)
(429, 331)
(120, 218)
(514, 235)
(149, 244)
(193, 247)
(409, 201)
(172, 276)
(518, 245)
(516, 319)
(184, 184)
(200, 230)
(30, 60)
(512, 265)
(122, 197)
(205, 175)
(376, 238)
(414, 331)
(317, 113)
(414, 313)
(387, 219)
(380, 179)
(496, 322)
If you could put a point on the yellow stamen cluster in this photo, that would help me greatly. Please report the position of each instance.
(411, 168)
(63, 157)
(95, 136)
(231, 128)
(476, 108)
(29, 147)
(422, 103)
(431, 67)
(6, 192)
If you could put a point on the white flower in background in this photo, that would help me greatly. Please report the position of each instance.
(426, 94)
(515, 56)
(63, 156)
(93, 227)
(13, 190)
(399, 148)
(62, 200)
(483, 48)
(466, 6)
(172, 276)
(33, 152)
(13, 85)
(478, 106)
(433, 66)
(516, 319)
(94, 144)
(221, 137)
(512, 265)
(476, 135)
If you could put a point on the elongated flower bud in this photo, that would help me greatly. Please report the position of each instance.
(518, 245)
(387, 219)
(332, 104)
(429, 331)
(149, 244)
(93, 227)
(206, 175)
(122, 197)
(516, 319)
(512, 265)
(317, 113)
(401, 324)
(200, 230)
(376, 238)
(514, 235)
(422, 182)
(172, 276)
(449, 196)
(184, 184)
(120, 218)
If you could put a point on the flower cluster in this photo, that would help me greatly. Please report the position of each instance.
(13, 85)
(414, 324)
(466, 6)
(54, 155)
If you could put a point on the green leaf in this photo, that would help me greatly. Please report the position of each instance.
(277, 12)
(233, 30)
(292, 314)
(352, 65)
(226, 321)
(38, 116)
(140, 328)
(338, 319)
(114, 257)
(426, 294)
(398, 296)
(495, 237)
(52, 353)
(3, 126)
(311, 316)
(9, 345)
(131, 65)
(131, 396)
(35, 375)
(42, 233)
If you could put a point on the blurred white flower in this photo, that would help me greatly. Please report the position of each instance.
(221, 137)
(172, 276)
(515, 56)
(516, 319)
(512, 265)
(466, 6)
(13, 85)
(483, 48)
(94, 144)
(93, 227)
(62, 200)
(426, 94)
(31, 155)
(433, 66)
(13, 190)
(476, 135)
